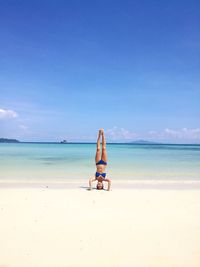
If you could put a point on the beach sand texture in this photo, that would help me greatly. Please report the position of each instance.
(44, 227)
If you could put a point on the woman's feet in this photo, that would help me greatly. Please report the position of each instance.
(101, 131)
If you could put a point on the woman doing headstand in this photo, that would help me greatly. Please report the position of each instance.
(101, 162)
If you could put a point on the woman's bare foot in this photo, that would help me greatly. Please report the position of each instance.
(99, 135)
(101, 131)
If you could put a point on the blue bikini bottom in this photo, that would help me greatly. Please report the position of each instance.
(101, 162)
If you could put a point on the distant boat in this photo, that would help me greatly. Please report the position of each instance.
(64, 142)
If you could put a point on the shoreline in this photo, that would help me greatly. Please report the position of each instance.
(116, 185)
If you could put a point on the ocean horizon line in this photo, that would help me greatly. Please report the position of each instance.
(109, 143)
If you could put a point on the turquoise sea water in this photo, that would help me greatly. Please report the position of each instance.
(63, 162)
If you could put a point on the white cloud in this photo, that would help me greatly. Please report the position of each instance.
(7, 114)
(23, 127)
(116, 133)
(184, 134)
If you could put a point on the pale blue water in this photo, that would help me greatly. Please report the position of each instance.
(63, 162)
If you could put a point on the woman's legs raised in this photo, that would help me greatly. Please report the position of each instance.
(98, 151)
(104, 152)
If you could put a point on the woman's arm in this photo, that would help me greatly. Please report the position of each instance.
(109, 183)
(90, 182)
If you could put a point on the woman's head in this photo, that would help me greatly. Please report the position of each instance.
(99, 186)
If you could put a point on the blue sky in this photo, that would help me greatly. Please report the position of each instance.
(68, 68)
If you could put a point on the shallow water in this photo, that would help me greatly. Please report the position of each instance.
(63, 162)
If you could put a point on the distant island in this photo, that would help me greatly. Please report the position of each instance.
(143, 142)
(8, 140)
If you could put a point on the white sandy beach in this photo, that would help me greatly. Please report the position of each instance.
(46, 227)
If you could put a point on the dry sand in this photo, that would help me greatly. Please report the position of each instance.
(45, 227)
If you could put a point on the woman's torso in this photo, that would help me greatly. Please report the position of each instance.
(101, 168)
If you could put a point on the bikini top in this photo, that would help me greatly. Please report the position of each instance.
(100, 174)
